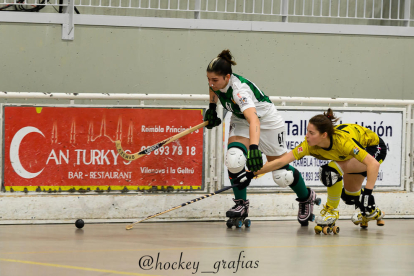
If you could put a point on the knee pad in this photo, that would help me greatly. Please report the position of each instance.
(330, 174)
(283, 177)
(236, 157)
(349, 199)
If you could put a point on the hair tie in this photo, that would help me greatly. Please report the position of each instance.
(329, 116)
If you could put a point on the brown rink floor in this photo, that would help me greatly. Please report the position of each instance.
(266, 248)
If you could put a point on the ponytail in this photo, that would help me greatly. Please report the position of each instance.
(325, 123)
(221, 65)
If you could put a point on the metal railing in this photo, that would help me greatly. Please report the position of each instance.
(367, 17)
(399, 10)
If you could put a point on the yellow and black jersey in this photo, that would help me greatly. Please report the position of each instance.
(348, 141)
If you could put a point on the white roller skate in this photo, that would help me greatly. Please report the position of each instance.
(359, 219)
(305, 213)
(238, 213)
(326, 221)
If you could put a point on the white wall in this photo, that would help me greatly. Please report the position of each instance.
(147, 60)
(167, 61)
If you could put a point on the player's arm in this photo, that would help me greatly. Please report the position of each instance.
(254, 130)
(366, 199)
(297, 153)
(372, 171)
(277, 164)
(244, 179)
(213, 96)
(254, 160)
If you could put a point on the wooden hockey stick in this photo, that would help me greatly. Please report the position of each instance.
(129, 227)
(137, 155)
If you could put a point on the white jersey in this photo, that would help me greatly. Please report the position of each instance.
(241, 94)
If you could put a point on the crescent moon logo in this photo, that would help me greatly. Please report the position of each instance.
(14, 152)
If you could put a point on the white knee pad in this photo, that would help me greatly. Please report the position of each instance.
(283, 177)
(235, 160)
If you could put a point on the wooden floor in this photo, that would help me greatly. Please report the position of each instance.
(206, 248)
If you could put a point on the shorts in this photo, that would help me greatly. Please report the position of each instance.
(379, 152)
(272, 141)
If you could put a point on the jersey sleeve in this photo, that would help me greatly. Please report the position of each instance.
(301, 150)
(242, 96)
(355, 150)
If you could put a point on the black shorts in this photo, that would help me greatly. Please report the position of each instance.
(379, 152)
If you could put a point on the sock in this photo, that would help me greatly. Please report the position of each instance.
(239, 194)
(334, 194)
(357, 193)
(298, 185)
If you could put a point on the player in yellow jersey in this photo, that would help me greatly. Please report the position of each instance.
(356, 152)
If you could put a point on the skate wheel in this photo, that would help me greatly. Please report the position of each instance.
(318, 201)
(239, 223)
(229, 224)
(247, 223)
(318, 229)
(380, 222)
(356, 223)
(326, 230)
(312, 217)
(335, 230)
(364, 225)
(304, 223)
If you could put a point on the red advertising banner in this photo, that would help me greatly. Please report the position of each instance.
(73, 149)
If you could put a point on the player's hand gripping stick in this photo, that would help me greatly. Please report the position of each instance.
(211, 116)
(244, 179)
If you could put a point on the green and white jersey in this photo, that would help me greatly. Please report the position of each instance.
(241, 94)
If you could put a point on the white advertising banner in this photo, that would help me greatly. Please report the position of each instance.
(387, 124)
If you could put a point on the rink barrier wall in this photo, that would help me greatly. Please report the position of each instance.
(267, 203)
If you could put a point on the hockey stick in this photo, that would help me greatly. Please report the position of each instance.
(139, 154)
(129, 227)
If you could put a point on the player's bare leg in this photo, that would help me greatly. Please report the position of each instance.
(350, 195)
(353, 182)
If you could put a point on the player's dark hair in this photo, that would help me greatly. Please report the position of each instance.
(325, 122)
(221, 65)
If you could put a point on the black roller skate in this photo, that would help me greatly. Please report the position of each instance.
(305, 213)
(238, 213)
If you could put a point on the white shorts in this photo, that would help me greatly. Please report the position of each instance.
(272, 140)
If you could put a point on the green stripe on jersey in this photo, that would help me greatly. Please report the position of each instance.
(260, 96)
(228, 103)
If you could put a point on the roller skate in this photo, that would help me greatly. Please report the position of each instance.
(359, 219)
(305, 213)
(326, 222)
(238, 213)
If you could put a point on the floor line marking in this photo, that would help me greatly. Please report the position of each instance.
(203, 248)
(76, 267)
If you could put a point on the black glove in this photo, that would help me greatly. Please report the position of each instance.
(366, 202)
(254, 158)
(211, 116)
(244, 179)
